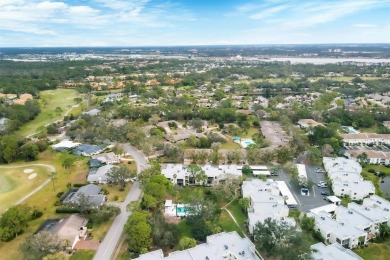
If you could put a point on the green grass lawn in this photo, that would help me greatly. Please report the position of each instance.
(378, 168)
(238, 214)
(83, 255)
(252, 131)
(115, 192)
(227, 223)
(375, 251)
(184, 229)
(62, 98)
(14, 184)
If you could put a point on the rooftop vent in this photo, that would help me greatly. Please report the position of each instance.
(226, 247)
(350, 212)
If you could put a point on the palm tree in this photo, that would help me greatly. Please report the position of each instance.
(52, 177)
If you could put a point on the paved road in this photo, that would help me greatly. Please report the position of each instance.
(52, 169)
(107, 247)
(139, 157)
(333, 105)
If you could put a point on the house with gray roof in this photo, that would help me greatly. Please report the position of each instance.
(92, 192)
(88, 149)
(99, 175)
(92, 112)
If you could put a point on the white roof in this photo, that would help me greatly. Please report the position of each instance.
(65, 144)
(266, 173)
(376, 202)
(342, 230)
(181, 171)
(100, 175)
(254, 167)
(333, 251)
(302, 171)
(285, 191)
(218, 246)
(168, 203)
(355, 218)
(374, 214)
(333, 199)
(327, 208)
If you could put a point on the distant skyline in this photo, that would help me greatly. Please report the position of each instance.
(38, 23)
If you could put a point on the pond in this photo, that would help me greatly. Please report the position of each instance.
(385, 186)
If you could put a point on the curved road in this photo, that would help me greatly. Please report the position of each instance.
(107, 247)
(52, 169)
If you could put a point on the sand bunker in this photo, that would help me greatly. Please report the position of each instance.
(32, 176)
(28, 170)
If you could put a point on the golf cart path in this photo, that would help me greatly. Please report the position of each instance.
(52, 169)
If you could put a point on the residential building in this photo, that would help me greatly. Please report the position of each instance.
(107, 158)
(65, 145)
(373, 157)
(99, 175)
(90, 191)
(88, 149)
(346, 179)
(333, 231)
(179, 174)
(71, 229)
(334, 251)
(306, 123)
(266, 201)
(375, 214)
(219, 246)
(366, 139)
(92, 112)
(358, 220)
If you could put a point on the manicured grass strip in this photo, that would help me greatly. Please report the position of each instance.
(83, 255)
(63, 98)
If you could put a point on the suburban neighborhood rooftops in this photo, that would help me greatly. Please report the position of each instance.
(349, 215)
(88, 149)
(107, 158)
(320, 251)
(327, 208)
(92, 192)
(340, 229)
(374, 214)
(92, 112)
(99, 175)
(65, 145)
(69, 228)
(219, 246)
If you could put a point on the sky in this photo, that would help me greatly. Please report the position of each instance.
(56, 23)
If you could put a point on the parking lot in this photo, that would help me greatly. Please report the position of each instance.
(315, 199)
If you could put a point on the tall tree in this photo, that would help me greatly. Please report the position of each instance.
(120, 176)
(14, 221)
(138, 232)
(40, 245)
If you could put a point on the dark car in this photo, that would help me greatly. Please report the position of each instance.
(324, 193)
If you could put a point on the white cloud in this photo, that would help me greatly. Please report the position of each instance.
(269, 12)
(364, 25)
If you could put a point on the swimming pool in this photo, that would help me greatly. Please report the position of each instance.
(181, 210)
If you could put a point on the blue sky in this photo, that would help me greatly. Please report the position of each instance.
(190, 22)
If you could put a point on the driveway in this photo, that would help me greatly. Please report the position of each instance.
(139, 157)
(108, 245)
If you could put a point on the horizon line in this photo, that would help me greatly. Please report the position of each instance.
(197, 45)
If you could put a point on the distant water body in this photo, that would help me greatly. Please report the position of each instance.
(320, 61)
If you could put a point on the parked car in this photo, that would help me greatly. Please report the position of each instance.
(325, 193)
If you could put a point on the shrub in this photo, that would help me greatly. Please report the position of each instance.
(78, 185)
(59, 194)
(67, 210)
(57, 203)
(116, 198)
(371, 170)
(36, 214)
